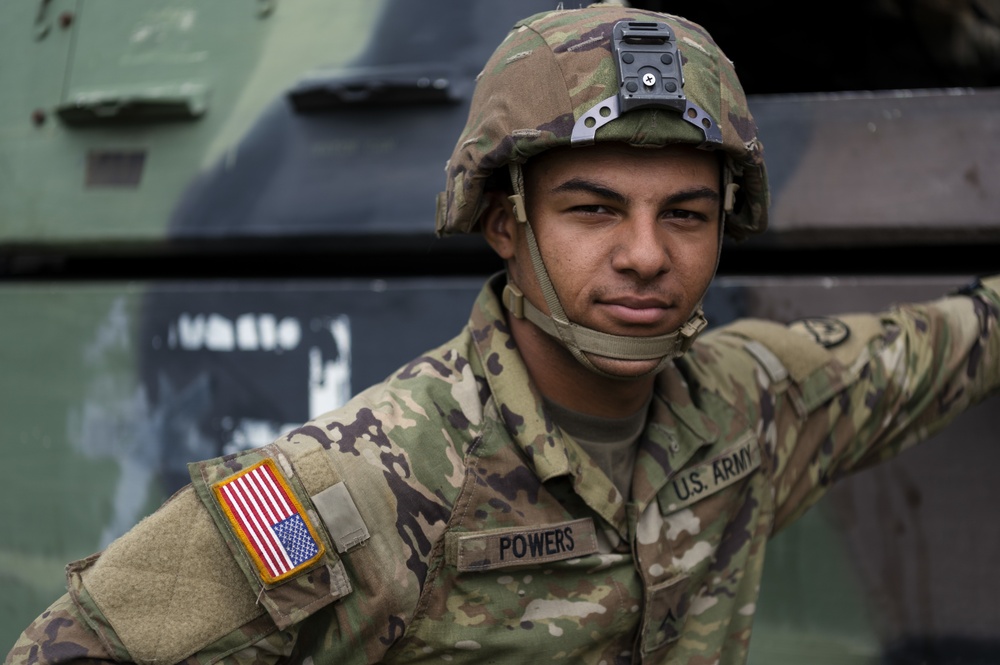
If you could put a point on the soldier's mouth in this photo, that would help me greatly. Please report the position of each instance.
(636, 310)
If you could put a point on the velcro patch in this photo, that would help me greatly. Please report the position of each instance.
(270, 522)
(691, 485)
(340, 515)
(501, 548)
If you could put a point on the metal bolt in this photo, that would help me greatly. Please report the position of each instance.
(38, 117)
(66, 20)
(649, 80)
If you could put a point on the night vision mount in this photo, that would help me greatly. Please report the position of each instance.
(649, 76)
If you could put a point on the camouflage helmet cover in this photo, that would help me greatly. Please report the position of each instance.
(553, 67)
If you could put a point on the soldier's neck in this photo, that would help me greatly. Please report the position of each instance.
(562, 379)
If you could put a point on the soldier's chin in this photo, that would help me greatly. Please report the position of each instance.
(625, 370)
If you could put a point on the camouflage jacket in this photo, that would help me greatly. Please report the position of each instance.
(442, 515)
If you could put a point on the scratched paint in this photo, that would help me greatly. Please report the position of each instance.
(115, 420)
(330, 378)
(146, 437)
(248, 332)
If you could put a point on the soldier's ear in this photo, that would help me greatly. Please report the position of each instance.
(499, 224)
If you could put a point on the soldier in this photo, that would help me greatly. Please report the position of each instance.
(573, 477)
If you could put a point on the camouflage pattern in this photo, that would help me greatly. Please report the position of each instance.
(494, 538)
(555, 66)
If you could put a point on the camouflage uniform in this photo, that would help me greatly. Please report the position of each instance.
(455, 521)
(442, 514)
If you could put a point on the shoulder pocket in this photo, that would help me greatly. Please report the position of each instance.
(270, 526)
(818, 355)
(167, 588)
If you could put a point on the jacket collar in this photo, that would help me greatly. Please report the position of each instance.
(675, 431)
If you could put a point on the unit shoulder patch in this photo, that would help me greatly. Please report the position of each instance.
(267, 518)
(825, 331)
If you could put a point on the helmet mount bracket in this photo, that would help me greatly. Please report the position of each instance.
(649, 76)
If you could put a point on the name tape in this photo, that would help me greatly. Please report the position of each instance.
(519, 546)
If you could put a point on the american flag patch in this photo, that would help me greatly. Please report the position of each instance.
(269, 520)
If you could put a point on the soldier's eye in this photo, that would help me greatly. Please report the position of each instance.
(594, 209)
(685, 214)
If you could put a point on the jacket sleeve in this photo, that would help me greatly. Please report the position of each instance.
(841, 393)
(167, 591)
(197, 583)
(58, 635)
(65, 634)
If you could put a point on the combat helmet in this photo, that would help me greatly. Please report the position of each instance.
(573, 77)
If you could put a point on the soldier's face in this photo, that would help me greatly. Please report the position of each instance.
(629, 236)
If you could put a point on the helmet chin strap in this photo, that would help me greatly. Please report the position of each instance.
(580, 340)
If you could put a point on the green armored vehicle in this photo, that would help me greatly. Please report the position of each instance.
(215, 219)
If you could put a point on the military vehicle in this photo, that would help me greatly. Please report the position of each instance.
(216, 220)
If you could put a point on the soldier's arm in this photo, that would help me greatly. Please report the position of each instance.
(59, 635)
(164, 592)
(66, 633)
(189, 583)
(855, 389)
